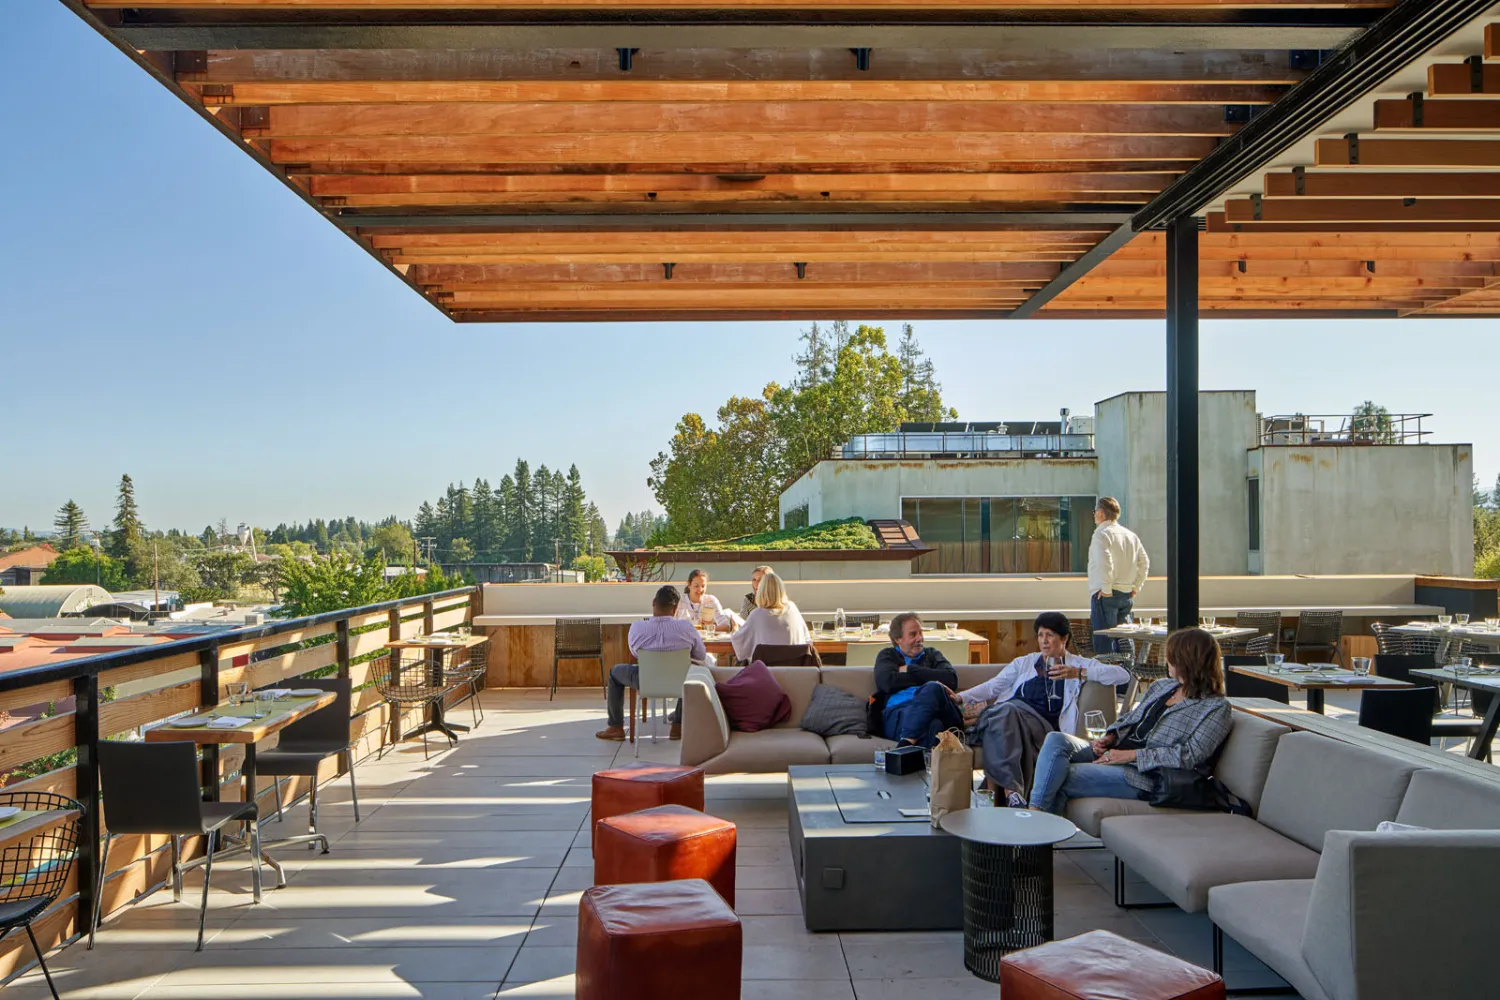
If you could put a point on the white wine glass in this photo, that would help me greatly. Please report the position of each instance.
(1094, 725)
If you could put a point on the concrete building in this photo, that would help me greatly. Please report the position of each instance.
(1279, 494)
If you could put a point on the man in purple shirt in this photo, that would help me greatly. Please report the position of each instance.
(662, 632)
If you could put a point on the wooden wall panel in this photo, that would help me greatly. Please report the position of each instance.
(41, 694)
(133, 712)
(25, 743)
(280, 668)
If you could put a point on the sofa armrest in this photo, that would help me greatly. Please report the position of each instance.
(1399, 915)
(705, 727)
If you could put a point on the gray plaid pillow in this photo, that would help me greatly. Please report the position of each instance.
(835, 712)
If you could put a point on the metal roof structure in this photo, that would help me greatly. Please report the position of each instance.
(657, 159)
(51, 601)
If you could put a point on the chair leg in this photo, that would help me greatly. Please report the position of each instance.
(553, 691)
(353, 789)
(279, 814)
(312, 811)
(176, 868)
(208, 869)
(99, 887)
(42, 959)
(253, 828)
(632, 714)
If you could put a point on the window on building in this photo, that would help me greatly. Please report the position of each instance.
(1002, 534)
(1253, 489)
(795, 518)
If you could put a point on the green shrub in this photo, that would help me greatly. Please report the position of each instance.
(849, 533)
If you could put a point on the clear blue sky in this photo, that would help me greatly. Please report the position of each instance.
(169, 310)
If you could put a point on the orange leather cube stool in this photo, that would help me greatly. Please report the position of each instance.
(1101, 964)
(655, 940)
(663, 844)
(642, 786)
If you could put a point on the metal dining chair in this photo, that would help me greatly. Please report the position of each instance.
(1081, 639)
(305, 744)
(577, 639)
(152, 788)
(1404, 712)
(1319, 632)
(777, 655)
(1265, 623)
(1387, 640)
(468, 673)
(662, 674)
(407, 683)
(34, 871)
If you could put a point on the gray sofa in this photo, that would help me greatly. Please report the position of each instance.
(707, 740)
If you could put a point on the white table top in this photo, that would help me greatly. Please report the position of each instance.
(1009, 827)
(1470, 631)
(1479, 677)
(1160, 632)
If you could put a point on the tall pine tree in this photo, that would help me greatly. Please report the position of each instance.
(70, 523)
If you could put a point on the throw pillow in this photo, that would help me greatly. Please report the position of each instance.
(835, 712)
(753, 700)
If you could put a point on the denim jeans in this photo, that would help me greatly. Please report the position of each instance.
(929, 712)
(1107, 612)
(1065, 770)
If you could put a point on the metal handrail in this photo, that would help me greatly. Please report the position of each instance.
(963, 443)
(1347, 428)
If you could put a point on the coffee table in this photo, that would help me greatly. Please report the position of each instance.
(860, 864)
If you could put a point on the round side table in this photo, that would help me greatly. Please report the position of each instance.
(1007, 871)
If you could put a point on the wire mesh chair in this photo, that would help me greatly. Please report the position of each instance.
(406, 683)
(1258, 645)
(577, 639)
(468, 673)
(1388, 642)
(33, 872)
(1416, 645)
(1265, 623)
(1319, 632)
(1081, 641)
(1145, 671)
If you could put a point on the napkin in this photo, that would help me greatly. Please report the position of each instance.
(227, 722)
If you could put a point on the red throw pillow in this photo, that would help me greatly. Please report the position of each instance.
(753, 700)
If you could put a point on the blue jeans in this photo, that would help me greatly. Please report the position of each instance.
(1065, 770)
(929, 712)
(1107, 612)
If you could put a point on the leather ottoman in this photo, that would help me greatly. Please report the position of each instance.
(1100, 965)
(648, 941)
(663, 844)
(642, 786)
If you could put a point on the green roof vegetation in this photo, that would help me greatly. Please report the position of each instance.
(849, 533)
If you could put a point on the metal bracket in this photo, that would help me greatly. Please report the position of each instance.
(1240, 265)
(1306, 58)
(1255, 206)
(1408, 202)
(667, 269)
(1238, 114)
(627, 59)
(190, 61)
(1417, 110)
(801, 267)
(1476, 74)
(861, 59)
(1353, 140)
(1370, 266)
(1299, 180)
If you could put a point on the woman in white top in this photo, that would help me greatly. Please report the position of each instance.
(695, 598)
(775, 620)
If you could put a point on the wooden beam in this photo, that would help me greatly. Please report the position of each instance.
(604, 5)
(452, 277)
(843, 117)
(738, 168)
(1429, 153)
(1438, 115)
(1458, 80)
(1350, 184)
(1320, 210)
(1218, 224)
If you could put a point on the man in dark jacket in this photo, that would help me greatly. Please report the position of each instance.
(914, 687)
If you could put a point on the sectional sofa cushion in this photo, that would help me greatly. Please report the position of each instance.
(1317, 784)
(1441, 800)
(769, 750)
(1268, 919)
(1088, 814)
(835, 712)
(1186, 855)
(753, 700)
(1245, 759)
(856, 749)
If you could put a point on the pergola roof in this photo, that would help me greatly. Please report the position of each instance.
(626, 159)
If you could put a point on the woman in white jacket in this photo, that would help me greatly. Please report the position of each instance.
(775, 620)
(1031, 696)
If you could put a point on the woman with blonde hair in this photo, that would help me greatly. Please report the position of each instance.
(1180, 723)
(775, 621)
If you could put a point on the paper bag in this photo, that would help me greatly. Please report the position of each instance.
(952, 782)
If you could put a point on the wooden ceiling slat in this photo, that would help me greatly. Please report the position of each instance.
(1382, 210)
(350, 168)
(1456, 81)
(731, 257)
(1122, 182)
(1413, 184)
(452, 276)
(1430, 153)
(1438, 115)
(598, 5)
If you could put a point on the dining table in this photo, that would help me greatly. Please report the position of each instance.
(838, 642)
(436, 649)
(1314, 679)
(245, 726)
(1159, 633)
(1451, 637)
(1484, 679)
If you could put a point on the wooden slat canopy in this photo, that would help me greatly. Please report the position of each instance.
(509, 180)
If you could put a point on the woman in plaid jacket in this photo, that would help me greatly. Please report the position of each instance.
(1182, 722)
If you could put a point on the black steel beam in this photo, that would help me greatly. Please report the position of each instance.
(1182, 422)
(721, 220)
(726, 33)
(1407, 32)
(1072, 272)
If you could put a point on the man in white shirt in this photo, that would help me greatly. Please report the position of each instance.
(1117, 570)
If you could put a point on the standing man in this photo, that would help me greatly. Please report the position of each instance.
(1117, 569)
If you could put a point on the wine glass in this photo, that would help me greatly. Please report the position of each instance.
(1094, 725)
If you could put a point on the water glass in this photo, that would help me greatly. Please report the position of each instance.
(1274, 662)
(1492, 623)
(1361, 665)
(865, 629)
(263, 701)
(1094, 725)
(1208, 621)
(710, 630)
(238, 691)
(984, 798)
(880, 760)
(1460, 619)
(952, 629)
(1445, 620)
(1463, 665)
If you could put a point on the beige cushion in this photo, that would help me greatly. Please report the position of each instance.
(705, 727)
(1267, 918)
(1442, 800)
(1087, 814)
(1185, 855)
(1317, 784)
(769, 750)
(975, 674)
(853, 750)
(797, 682)
(1246, 758)
(858, 681)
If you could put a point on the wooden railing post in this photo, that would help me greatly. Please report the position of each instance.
(394, 617)
(427, 616)
(208, 696)
(86, 736)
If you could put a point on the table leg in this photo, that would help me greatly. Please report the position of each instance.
(1482, 742)
(1315, 700)
(1007, 903)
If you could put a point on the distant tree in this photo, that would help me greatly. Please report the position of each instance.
(209, 537)
(127, 524)
(921, 395)
(592, 567)
(460, 551)
(70, 523)
(81, 564)
(222, 574)
(330, 583)
(1495, 494)
(1371, 423)
(392, 541)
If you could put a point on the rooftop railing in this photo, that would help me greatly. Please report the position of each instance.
(965, 445)
(60, 712)
(1343, 428)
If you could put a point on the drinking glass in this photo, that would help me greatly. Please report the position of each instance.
(1208, 621)
(1463, 665)
(239, 691)
(710, 630)
(952, 629)
(1460, 619)
(1492, 622)
(1094, 725)
(1361, 665)
(1274, 662)
(880, 760)
(865, 629)
(1445, 619)
(263, 701)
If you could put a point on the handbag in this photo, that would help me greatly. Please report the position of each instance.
(1188, 788)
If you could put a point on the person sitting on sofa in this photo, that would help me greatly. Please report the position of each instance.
(914, 699)
(775, 620)
(662, 632)
(1032, 696)
(1182, 722)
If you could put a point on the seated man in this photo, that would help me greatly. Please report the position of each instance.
(662, 632)
(914, 699)
(1031, 696)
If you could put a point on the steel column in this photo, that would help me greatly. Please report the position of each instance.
(86, 737)
(1182, 422)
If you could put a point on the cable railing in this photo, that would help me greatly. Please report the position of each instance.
(1375, 427)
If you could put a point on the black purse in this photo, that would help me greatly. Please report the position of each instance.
(1187, 788)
